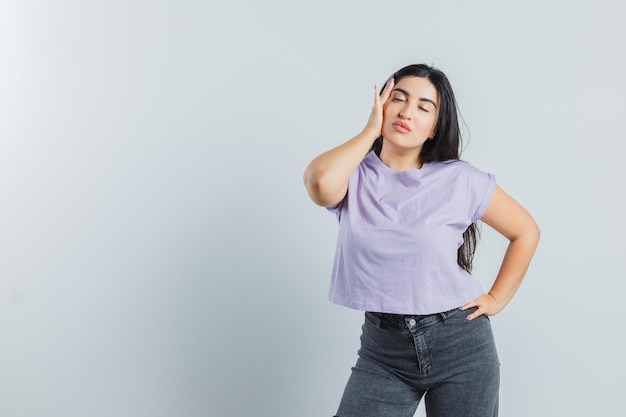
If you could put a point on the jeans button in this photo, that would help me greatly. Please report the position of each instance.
(412, 322)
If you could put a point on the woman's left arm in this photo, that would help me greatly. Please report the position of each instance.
(510, 219)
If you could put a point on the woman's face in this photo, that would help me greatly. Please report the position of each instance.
(410, 114)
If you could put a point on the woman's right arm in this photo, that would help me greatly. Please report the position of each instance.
(326, 177)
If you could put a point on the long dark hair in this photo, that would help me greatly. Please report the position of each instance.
(445, 144)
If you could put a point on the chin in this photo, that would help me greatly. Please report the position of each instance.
(402, 140)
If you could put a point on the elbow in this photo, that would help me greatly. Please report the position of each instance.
(311, 182)
(314, 189)
(527, 234)
(318, 189)
(533, 230)
(537, 233)
(532, 234)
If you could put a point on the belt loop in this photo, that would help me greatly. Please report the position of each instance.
(444, 316)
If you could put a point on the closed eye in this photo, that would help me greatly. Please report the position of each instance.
(423, 109)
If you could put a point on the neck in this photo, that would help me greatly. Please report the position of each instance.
(400, 160)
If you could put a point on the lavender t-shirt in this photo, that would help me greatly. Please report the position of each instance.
(399, 233)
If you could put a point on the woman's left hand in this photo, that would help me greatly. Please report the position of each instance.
(485, 304)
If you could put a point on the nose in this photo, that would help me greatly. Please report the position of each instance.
(404, 113)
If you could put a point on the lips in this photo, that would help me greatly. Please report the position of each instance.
(401, 127)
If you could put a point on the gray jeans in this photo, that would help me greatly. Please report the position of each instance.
(450, 361)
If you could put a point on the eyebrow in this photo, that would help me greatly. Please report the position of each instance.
(406, 93)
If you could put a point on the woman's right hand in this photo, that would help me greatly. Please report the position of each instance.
(326, 177)
(375, 122)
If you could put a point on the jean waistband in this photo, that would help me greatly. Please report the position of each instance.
(400, 320)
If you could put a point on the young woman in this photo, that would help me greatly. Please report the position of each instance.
(407, 209)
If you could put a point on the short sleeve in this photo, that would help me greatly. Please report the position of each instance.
(353, 184)
(337, 209)
(483, 186)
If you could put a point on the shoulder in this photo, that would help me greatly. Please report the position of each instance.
(459, 168)
(459, 165)
(471, 186)
(466, 176)
(370, 165)
(371, 161)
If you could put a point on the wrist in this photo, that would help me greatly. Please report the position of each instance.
(370, 133)
(500, 301)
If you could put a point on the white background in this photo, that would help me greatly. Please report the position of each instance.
(159, 255)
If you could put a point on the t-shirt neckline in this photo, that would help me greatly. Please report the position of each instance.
(412, 171)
